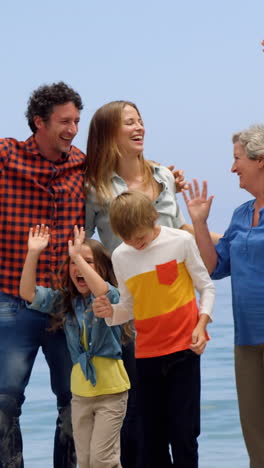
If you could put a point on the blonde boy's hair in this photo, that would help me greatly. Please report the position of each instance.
(131, 211)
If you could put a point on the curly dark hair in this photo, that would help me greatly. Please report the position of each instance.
(43, 99)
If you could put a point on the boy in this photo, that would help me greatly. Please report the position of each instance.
(157, 269)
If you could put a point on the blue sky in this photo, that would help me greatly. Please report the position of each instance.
(195, 70)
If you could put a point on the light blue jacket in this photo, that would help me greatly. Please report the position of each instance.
(97, 215)
(102, 340)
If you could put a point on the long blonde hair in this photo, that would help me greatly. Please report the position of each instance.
(103, 154)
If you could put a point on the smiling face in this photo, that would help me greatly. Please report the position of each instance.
(55, 136)
(130, 136)
(76, 276)
(247, 169)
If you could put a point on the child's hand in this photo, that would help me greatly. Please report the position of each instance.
(199, 340)
(38, 238)
(102, 307)
(79, 236)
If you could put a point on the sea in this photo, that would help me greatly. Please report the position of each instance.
(221, 443)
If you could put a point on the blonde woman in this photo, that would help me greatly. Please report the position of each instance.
(115, 164)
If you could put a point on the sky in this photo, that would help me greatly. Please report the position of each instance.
(195, 70)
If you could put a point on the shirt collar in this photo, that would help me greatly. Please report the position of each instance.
(32, 147)
(155, 169)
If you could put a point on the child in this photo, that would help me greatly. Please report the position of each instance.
(99, 382)
(157, 269)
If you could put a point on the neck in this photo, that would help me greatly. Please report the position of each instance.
(258, 192)
(259, 203)
(47, 152)
(129, 168)
(156, 231)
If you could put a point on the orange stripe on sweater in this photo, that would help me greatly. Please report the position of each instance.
(167, 333)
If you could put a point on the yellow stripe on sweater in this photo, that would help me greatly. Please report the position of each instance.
(152, 298)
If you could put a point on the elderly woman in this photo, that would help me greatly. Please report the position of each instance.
(240, 254)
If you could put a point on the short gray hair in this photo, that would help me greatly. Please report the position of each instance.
(252, 139)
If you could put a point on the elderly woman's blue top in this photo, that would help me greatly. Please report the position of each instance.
(241, 255)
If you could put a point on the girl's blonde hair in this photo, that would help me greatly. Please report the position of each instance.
(104, 267)
(103, 154)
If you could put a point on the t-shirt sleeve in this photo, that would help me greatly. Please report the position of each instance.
(123, 311)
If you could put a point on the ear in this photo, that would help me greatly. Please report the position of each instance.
(38, 121)
(261, 162)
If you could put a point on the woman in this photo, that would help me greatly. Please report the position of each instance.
(114, 164)
(240, 254)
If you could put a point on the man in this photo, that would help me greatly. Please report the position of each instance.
(41, 181)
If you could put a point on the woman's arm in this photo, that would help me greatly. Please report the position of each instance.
(214, 235)
(38, 240)
(199, 205)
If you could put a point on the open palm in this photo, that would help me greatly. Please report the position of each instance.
(198, 203)
(38, 238)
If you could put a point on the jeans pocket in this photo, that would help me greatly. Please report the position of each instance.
(8, 308)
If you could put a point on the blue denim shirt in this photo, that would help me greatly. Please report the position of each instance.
(97, 215)
(102, 340)
(241, 255)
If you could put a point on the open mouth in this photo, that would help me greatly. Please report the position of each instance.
(67, 140)
(138, 138)
(81, 281)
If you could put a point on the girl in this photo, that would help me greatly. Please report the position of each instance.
(99, 382)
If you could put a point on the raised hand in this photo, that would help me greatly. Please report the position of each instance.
(38, 238)
(75, 247)
(198, 203)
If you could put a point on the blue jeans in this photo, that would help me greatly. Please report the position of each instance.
(168, 389)
(22, 332)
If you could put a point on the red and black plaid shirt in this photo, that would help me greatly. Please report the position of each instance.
(34, 190)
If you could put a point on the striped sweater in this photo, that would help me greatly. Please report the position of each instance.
(157, 289)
